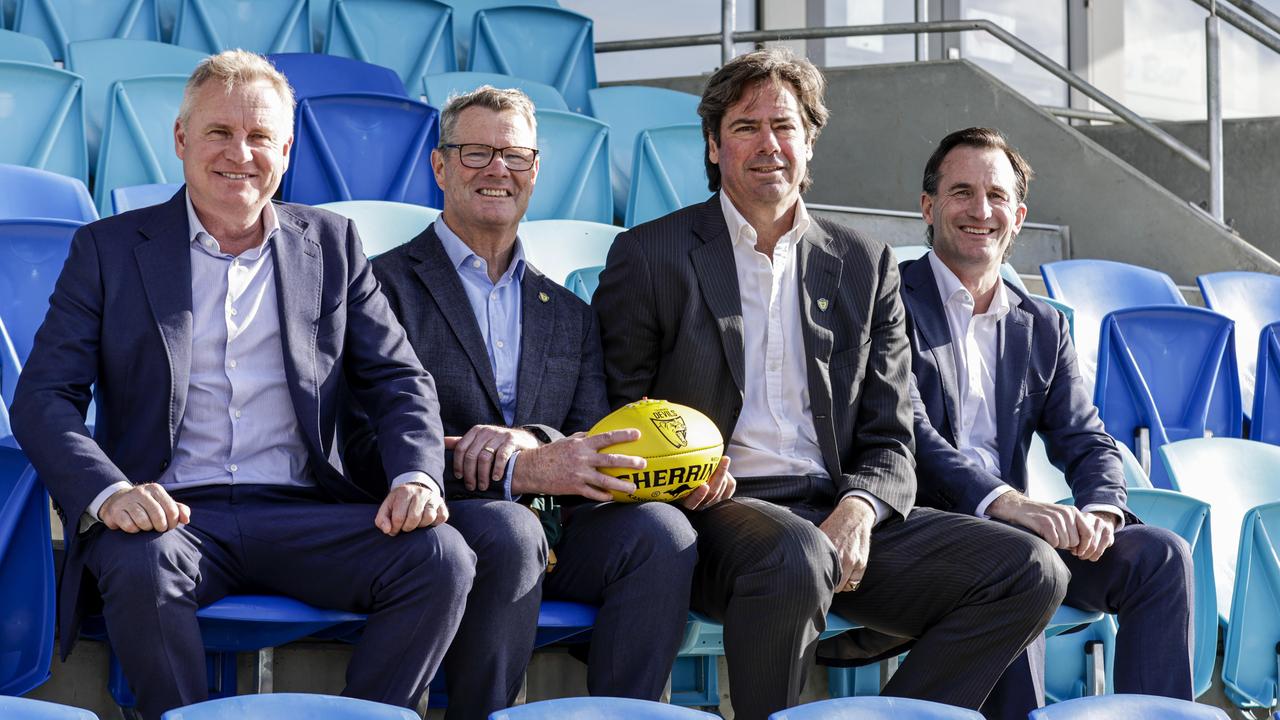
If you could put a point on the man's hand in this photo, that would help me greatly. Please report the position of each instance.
(1062, 526)
(569, 466)
(720, 487)
(1102, 531)
(143, 508)
(480, 456)
(849, 529)
(411, 506)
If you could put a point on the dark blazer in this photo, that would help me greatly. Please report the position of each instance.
(120, 316)
(560, 383)
(671, 323)
(1038, 389)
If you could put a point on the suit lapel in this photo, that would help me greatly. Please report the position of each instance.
(1014, 333)
(819, 281)
(931, 323)
(299, 269)
(537, 324)
(718, 279)
(164, 263)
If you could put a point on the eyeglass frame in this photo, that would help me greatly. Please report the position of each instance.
(493, 152)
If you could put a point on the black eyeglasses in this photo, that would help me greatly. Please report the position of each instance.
(478, 155)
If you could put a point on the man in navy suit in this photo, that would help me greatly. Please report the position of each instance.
(217, 328)
(993, 366)
(519, 364)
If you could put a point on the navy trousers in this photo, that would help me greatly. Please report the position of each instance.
(266, 539)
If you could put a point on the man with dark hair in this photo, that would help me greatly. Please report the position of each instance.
(993, 366)
(787, 331)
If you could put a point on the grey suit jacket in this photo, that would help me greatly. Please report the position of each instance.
(671, 325)
(120, 316)
(560, 385)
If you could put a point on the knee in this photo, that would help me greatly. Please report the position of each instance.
(1043, 575)
(146, 564)
(1151, 554)
(660, 535)
(509, 543)
(439, 557)
(803, 567)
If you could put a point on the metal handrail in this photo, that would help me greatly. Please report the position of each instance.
(1243, 24)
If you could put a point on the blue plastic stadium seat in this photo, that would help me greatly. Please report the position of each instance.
(132, 197)
(48, 133)
(573, 174)
(668, 173)
(363, 146)
(1061, 307)
(58, 22)
(103, 62)
(464, 12)
(26, 574)
(23, 48)
(438, 88)
(29, 193)
(384, 225)
(31, 256)
(137, 139)
(10, 368)
(875, 708)
(1251, 655)
(1128, 707)
(373, 31)
(312, 74)
(1252, 300)
(290, 705)
(561, 620)
(1264, 424)
(1167, 373)
(904, 253)
(1097, 287)
(584, 281)
(16, 708)
(628, 109)
(6, 428)
(547, 44)
(261, 26)
(598, 708)
(558, 247)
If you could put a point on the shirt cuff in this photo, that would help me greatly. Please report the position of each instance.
(981, 510)
(418, 477)
(1105, 508)
(881, 507)
(510, 473)
(90, 516)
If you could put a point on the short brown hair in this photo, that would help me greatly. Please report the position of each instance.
(490, 98)
(776, 65)
(235, 68)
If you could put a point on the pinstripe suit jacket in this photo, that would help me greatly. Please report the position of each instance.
(671, 324)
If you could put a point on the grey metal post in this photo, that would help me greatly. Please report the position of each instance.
(922, 40)
(728, 23)
(1213, 71)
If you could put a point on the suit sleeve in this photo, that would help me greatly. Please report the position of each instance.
(948, 480)
(629, 329)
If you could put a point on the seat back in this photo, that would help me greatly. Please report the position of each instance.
(668, 173)
(1061, 307)
(1264, 423)
(31, 256)
(59, 22)
(1252, 300)
(23, 48)
(464, 12)
(1249, 659)
(875, 708)
(547, 44)
(1129, 707)
(137, 139)
(26, 573)
(132, 197)
(363, 146)
(312, 74)
(10, 368)
(1168, 371)
(261, 26)
(628, 109)
(438, 88)
(558, 247)
(373, 31)
(18, 708)
(584, 708)
(1097, 287)
(584, 281)
(48, 133)
(103, 62)
(573, 174)
(384, 225)
(29, 193)
(289, 705)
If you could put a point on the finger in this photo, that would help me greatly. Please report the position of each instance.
(184, 513)
(460, 450)
(450, 441)
(414, 510)
(609, 482)
(630, 462)
(613, 437)
(1106, 538)
(500, 460)
(138, 515)
(168, 506)
(694, 500)
(399, 508)
(484, 459)
(442, 514)
(383, 519)
(118, 519)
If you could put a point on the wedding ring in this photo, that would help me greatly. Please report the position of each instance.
(487, 449)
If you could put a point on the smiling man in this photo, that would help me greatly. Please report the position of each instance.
(216, 328)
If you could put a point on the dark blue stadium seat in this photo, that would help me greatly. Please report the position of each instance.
(1252, 300)
(26, 574)
(58, 22)
(595, 708)
(10, 368)
(261, 26)
(668, 172)
(1264, 424)
(1128, 707)
(290, 705)
(31, 257)
(573, 177)
(373, 31)
(312, 74)
(46, 128)
(137, 139)
(29, 193)
(875, 708)
(23, 48)
(16, 708)
(547, 44)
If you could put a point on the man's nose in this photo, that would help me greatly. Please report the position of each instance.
(238, 150)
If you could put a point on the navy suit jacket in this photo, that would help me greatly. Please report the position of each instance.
(121, 316)
(560, 383)
(1038, 389)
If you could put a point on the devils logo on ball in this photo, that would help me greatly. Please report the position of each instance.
(671, 424)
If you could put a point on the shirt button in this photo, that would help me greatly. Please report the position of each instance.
(208, 242)
(475, 263)
(234, 311)
(500, 344)
(233, 467)
(237, 414)
(232, 363)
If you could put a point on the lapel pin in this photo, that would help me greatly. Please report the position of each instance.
(823, 304)
(544, 297)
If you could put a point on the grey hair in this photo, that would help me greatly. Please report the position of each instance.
(490, 98)
(234, 68)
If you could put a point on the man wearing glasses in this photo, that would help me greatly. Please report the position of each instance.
(518, 364)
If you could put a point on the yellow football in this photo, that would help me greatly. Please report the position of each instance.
(680, 445)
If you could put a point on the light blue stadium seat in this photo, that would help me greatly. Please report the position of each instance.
(1167, 373)
(668, 173)
(30, 193)
(1264, 424)
(363, 146)
(58, 22)
(261, 26)
(558, 247)
(137, 139)
(596, 708)
(103, 62)
(438, 88)
(875, 708)
(15, 46)
(16, 708)
(31, 256)
(132, 197)
(1128, 707)
(1251, 655)
(628, 109)
(290, 705)
(573, 174)
(1097, 287)
(312, 74)
(373, 31)
(904, 253)
(1061, 307)
(1252, 300)
(384, 225)
(26, 574)
(48, 133)
(547, 44)
(464, 12)
(584, 281)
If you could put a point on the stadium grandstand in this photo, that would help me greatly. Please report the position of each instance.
(1153, 127)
